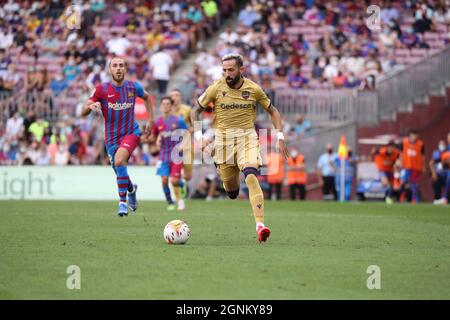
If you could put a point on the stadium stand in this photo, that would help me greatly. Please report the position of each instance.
(48, 68)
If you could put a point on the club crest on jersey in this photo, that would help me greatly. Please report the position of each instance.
(130, 94)
(224, 93)
(245, 94)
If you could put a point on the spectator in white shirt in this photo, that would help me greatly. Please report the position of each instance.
(14, 126)
(160, 64)
(11, 7)
(42, 158)
(6, 39)
(11, 78)
(206, 60)
(118, 45)
(388, 13)
(228, 36)
(172, 7)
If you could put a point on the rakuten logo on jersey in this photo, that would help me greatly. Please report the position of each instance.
(120, 106)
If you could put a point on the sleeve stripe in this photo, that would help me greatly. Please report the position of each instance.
(198, 101)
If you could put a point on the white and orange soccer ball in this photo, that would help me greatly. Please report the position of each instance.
(176, 232)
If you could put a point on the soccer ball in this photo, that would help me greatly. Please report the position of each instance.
(176, 232)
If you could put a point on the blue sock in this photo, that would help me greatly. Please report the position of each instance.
(130, 185)
(166, 190)
(122, 182)
(181, 183)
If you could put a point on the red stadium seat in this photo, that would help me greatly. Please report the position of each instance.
(431, 36)
(419, 53)
(299, 23)
(401, 53)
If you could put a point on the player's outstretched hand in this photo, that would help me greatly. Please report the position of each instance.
(96, 106)
(148, 128)
(283, 149)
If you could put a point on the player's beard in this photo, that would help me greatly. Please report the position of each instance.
(118, 78)
(232, 81)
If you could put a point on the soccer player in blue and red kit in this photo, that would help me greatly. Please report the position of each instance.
(116, 101)
(172, 130)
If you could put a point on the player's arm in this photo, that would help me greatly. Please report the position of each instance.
(89, 106)
(275, 116)
(195, 113)
(277, 124)
(93, 103)
(148, 106)
(153, 135)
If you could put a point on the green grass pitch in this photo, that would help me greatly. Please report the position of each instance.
(317, 250)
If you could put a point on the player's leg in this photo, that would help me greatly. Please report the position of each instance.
(129, 143)
(120, 161)
(163, 170)
(112, 151)
(175, 179)
(249, 160)
(256, 198)
(186, 177)
(229, 174)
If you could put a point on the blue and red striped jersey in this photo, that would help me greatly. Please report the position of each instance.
(169, 130)
(118, 109)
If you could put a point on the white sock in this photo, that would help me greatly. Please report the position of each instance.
(259, 224)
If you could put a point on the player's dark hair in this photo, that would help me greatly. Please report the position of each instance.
(166, 98)
(414, 131)
(234, 56)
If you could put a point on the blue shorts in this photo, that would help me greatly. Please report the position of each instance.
(166, 169)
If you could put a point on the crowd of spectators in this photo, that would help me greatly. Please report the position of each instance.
(327, 44)
(54, 52)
